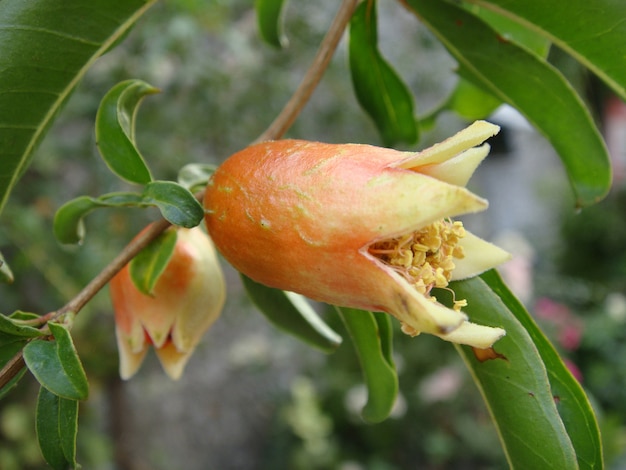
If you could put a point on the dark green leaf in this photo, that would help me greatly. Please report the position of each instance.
(270, 21)
(379, 89)
(46, 50)
(514, 383)
(68, 225)
(572, 403)
(529, 84)
(115, 130)
(195, 176)
(9, 346)
(592, 32)
(292, 314)
(57, 427)
(56, 366)
(12, 326)
(176, 203)
(149, 264)
(371, 336)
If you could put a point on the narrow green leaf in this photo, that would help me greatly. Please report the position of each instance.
(529, 84)
(68, 224)
(57, 427)
(293, 314)
(379, 89)
(149, 264)
(514, 383)
(572, 403)
(12, 326)
(594, 33)
(373, 347)
(176, 203)
(56, 366)
(6, 275)
(270, 21)
(195, 176)
(45, 52)
(115, 130)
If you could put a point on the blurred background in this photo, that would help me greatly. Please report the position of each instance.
(252, 397)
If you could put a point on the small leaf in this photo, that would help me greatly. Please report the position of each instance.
(292, 313)
(57, 427)
(176, 203)
(531, 85)
(149, 264)
(115, 130)
(378, 87)
(10, 326)
(6, 275)
(56, 366)
(68, 225)
(270, 21)
(514, 383)
(195, 176)
(371, 336)
(573, 405)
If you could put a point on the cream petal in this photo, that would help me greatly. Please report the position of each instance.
(457, 170)
(480, 256)
(474, 335)
(172, 360)
(467, 138)
(130, 355)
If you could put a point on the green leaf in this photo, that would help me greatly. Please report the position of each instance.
(46, 50)
(514, 383)
(115, 130)
(149, 264)
(9, 346)
(56, 366)
(572, 403)
(293, 314)
(11, 326)
(6, 275)
(270, 21)
(57, 427)
(371, 336)
(68, 225)
(471, 102)
(529, 84)
(594, 33)
(176, 203)
(379, 89)
(195, 176)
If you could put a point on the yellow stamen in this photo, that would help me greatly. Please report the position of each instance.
(425, 257)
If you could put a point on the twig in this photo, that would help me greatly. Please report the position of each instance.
(314, 74)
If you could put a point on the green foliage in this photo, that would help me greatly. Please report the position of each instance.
(57, 427)
(149, 264)
(270, 21)
(292, 313)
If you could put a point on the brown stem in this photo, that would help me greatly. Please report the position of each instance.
(314, 74)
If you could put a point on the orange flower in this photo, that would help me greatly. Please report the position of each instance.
(358, 226)
(187, 298)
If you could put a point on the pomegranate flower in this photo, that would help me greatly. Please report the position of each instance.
(187, 298)
(358, 226)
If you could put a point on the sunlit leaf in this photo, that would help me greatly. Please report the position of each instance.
(572, 403)
(514, 383)
(46, 49)
(593, 32)
(293, 314)
(528, 83)
(379, 89)
(149, 264)
(57, 427)
(371, 336)
(270, 21)
(115, 130)
(56, 366)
